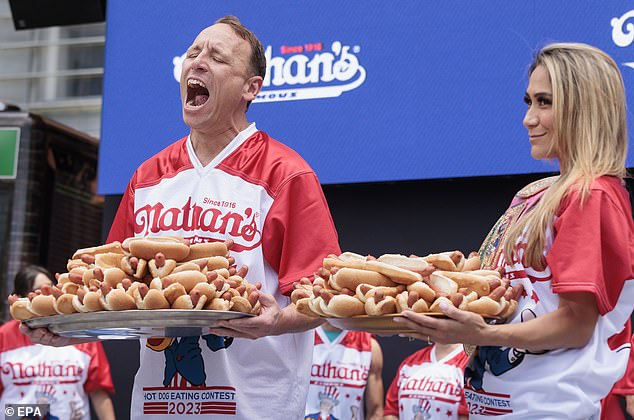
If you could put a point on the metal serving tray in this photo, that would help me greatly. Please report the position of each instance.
(134, 324)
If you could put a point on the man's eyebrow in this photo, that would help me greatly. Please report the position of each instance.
(213, 48)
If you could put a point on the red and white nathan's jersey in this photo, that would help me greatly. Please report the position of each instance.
(265, 197)
(340, 373)
(60, 376)
(588, 248)
(428, 388)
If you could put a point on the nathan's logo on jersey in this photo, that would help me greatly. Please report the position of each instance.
(623, 32)
(330, 371)
(25, 371)
(240, 225)
(429, 384)
(308, 71)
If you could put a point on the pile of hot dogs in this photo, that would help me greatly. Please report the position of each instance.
(144, 273)
(350, 284)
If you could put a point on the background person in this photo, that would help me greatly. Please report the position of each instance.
(228, 180)
(346, 377)
(568, 240)
(63, 377)
(622, 390)
(429, 384)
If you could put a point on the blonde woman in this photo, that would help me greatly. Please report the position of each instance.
(569, 241)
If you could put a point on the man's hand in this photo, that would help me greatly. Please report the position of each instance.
(272, 320)
(47, 338)
(262, 325)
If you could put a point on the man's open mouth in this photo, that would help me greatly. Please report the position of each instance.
(197, 93)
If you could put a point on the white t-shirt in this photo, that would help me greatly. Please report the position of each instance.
(262, 195)
(339, 375)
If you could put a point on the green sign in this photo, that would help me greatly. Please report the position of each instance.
(9, 145)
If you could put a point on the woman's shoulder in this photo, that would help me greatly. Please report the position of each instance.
(536, 187)
(605, 192)
(608, 183)
(610, 186)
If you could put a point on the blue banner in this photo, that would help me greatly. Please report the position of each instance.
(364, 90)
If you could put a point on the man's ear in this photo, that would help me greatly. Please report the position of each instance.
(252, 87)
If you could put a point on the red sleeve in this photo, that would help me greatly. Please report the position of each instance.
(98, 377)
(591, 251)
(298, 231)
(463, 409)
(123, 224)
(391, 397)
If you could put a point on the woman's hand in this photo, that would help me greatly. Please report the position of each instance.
(460, 327)
(571, 325)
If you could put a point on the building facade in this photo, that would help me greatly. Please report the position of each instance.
(56, 72)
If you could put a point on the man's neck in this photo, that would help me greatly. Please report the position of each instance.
(443, 350)
(208, 144)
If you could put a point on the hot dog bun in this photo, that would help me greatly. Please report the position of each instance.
(160, 266)
(469, 281)
(173, 292)
(442, 284)
(423, 290)
(63, 301)
(472, 263)
(486, 306)
(303, 307)
(19, 308)
(435, 307)
(88, 299)
(194, 300)
(146, 298)
(114, 247)
(43, 304)
(447, 261)
(342, 306)
(108, 260)
(205, 250)
(415, 264)
(350, 278)
(116, 299)
(365, 291)
(349, 256)
(378, 305)
(396, 274)
(411, 301)
(188, 279)
(172, 247)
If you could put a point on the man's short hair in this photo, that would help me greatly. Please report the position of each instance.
(258, 60)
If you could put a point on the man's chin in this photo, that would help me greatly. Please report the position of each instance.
(193, 120)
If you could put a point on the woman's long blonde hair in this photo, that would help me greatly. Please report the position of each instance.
(590, 134)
